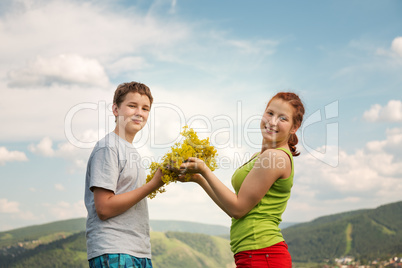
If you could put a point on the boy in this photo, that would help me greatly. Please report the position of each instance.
(117, 228)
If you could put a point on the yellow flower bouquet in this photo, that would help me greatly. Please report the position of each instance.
(191, 146)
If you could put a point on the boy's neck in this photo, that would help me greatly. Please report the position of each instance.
(124, 135)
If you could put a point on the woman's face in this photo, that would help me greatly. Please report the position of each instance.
(277, 123)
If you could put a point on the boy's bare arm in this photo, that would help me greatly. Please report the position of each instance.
(109, 205)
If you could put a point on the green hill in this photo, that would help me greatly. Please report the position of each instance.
(65, 252)
(189, 227)
(62, 244)
(183, 250)
(43, 232)
(49, 232)
(365, 234)
(170, 249)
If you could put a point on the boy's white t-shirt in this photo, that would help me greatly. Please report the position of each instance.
(116, 165)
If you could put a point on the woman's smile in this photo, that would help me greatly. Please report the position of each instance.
(270, 130)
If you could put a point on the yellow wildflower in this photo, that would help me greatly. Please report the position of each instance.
(191, 146)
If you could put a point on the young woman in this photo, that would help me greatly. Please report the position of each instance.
(262, 187)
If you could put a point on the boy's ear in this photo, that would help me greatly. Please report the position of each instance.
(114, 109)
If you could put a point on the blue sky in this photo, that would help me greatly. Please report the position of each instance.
(213, 65)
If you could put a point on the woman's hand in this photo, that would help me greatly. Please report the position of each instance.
(181, 176)
(193, 165)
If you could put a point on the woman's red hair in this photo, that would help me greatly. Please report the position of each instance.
(297, 118)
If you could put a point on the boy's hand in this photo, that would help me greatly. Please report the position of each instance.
(197, 178)
(158, 178)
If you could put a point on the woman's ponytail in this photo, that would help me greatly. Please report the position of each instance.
(293, 140)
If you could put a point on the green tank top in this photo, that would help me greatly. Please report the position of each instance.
(259, 228)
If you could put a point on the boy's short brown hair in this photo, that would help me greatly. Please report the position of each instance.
(123, 89)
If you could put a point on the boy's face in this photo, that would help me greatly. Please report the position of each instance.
(132, 114)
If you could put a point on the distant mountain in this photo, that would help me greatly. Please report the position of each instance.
(187, 226)
(365, 234)
(67, 227)
(64, 252)
(35, 232)
(170, 249)
(194, 227)
(184, 250)
(62, 244)
(284, 225)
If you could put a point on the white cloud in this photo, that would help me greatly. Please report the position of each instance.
(82, 28)
(46, 111)
(259, 47)
(392, 112)
(11, 156)
(394, 51)
(198, 206)
(363, 179)
(127, 65)
(75, 46)
(373, 114)
(392, 145)
(9, 206)
(77, 156)
(44, 147)
(62, 69)
(59, 187)
(28, 216)
(396, 46)
(65, 210)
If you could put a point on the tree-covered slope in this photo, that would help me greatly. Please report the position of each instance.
(31, 244)
(170, 249)
(365, 234)
(41, 232)
(65, 252)
(175, 249)
(188, 227)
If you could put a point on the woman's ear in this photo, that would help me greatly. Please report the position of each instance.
(294, 129)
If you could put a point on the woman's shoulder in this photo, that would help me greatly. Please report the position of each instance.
(274, 153)
(275, 159)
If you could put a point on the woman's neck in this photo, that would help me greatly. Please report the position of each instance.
(273, 145)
